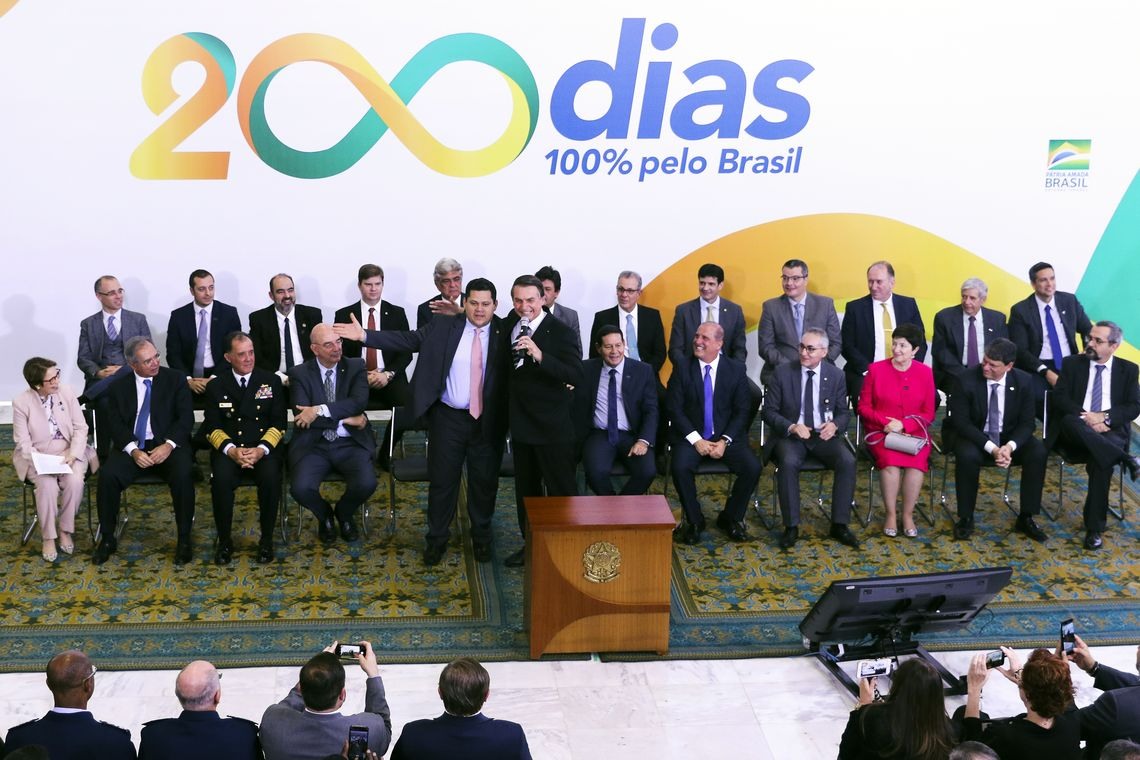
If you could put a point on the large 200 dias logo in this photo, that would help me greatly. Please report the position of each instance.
(158, 157)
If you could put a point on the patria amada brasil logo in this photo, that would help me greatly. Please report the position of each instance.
(1068, 164)
(690, 118)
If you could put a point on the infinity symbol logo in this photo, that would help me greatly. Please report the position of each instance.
(388, 105)
(6, 5)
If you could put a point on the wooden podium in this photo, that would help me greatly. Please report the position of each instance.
(597, 573)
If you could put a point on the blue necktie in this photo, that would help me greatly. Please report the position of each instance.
(611, 410)
(631, 337)
(144, 417)
(112, 331)
(708, 403)
(799, 311)
(1054, 339)
(200, 347)
(1096, 403)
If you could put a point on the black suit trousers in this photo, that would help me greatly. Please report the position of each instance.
(455, 438)
(598, 458)
(228, 475)
(741, 462)
(346, 457)
(791, 453)
(543, 470)
(969, 458)
(1104, 450)
(120, 471)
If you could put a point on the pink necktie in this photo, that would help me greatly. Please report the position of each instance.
(476, 404)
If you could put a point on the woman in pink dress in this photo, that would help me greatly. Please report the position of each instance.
(895, 391)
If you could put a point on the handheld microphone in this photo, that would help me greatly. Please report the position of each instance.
(519, 354)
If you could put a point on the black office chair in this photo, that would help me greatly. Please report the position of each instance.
(406, 468)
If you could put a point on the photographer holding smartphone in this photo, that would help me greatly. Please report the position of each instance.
(309, 724)
(910, 723)
(1116, 713)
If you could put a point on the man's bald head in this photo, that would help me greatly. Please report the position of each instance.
(198, 687)
(71, 678)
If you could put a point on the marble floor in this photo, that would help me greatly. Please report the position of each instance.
(761, 708)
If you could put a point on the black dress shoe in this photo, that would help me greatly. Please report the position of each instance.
(327, 530)
(224, 553)
(963, 529)
(789, 538)
(104, 550)
(433, 553)
(265, 553)
(686, 533)
(1093, 541)
(734, 530)
(843, 535)
(1026, 525)
(518, 559)
(348, 531)
(482, 551)
(1133, 465)
(183, 553)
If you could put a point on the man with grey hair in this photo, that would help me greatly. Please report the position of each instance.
(1118, 749)
(448, 301)
(963, 333)
(69, 731)
(973, 751)
(199, 731)
(641, 326)
(1094, 402)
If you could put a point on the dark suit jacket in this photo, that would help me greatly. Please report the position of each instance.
(785, 395)
(171, 410)
(540, 407)
(1025, 327)
(74, 736)
(391, 318)
(569, 317)
(307, 388)
(194, 735)
(732, 400)
(93, 333)
(473, 738)
(969, 398)
(424, 313)
(689, 316)
(776, 336)
(256, 417)
(1069, 394)
(182, 335)
(949, 342)
(436, 343)
(859, 330)
(1115, 714)
(639, 398)
(267, 339)
(650, 333)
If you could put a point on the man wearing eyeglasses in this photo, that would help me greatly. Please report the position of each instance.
(69, 731)
(784, 319)
(641, 327)
(150, 416)
(807, 408)
(103, 334)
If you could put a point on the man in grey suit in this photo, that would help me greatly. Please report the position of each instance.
(708, 307)
(963, 333)
(308, 722)
(784, 319)
(551, 289)
(103, 334)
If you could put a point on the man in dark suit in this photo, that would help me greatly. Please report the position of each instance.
(448, 301)
(615, 413)
(245, 423)
(387, 370)
(103, 334)
(869, 321)
(329, 393)
(807, 407)
(1045, 327)
(963, 333)
(1116, 713)
(991, 420)
(1096, 420)
(309, 722)
(641, 327)
(199, 731)
(463, 730)
(708, 403)
(195, 335)
(284, 317)
(784, 319)
(149, 416)
(551, 289)
(69, 731)
(544, 366)
(709, 306)
(466, 416)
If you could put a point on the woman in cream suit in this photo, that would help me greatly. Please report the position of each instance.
(46, 418)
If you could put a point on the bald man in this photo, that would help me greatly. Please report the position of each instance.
(199, 731)
(69, 731)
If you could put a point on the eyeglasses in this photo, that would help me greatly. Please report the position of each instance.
(628, 291)
(150, 360)
(51, 378)
(89, 676)
(118, 292)
(792, 277)
(1100, 341)
(810, 349)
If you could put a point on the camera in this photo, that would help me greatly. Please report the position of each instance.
(872, 668)
(357, 742)
(994, 658)
(349, 652)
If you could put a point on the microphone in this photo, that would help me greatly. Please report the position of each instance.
(519, 354)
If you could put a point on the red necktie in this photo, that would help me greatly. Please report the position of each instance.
(370, 353)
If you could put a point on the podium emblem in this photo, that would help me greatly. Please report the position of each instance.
(602, 562)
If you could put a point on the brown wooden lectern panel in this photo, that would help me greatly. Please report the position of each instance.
(597, 573)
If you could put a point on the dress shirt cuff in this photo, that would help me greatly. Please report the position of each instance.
(130, 448)
(226, 449)
(647, 443)
(990, 447)
(693, 437)
(264, 448)
(173, 445)
(323, 411)
(1012, 446)
(283, 375)
(727, 440)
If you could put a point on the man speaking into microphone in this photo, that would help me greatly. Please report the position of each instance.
(545, 365)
